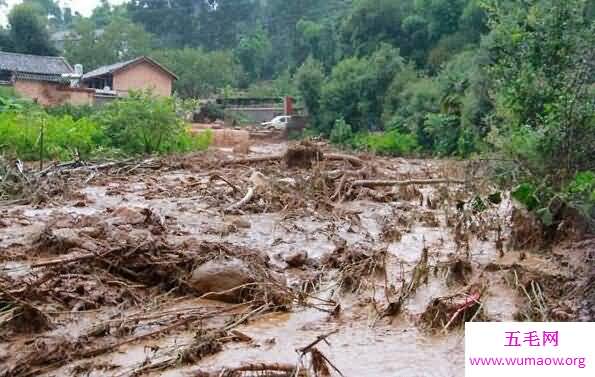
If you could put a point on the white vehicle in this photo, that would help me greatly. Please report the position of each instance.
(279, 122)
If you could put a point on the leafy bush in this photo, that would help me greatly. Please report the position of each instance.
(11, 101)
(63, 137)
(75, 111)
(8, 104)
(212, 111)
(309, 78)
(356, 87)
(341, 132)
(144, 124)
(526, 194)
(541, 69)
(190, 142)
(408, 103)
(580, 192)
(393, 143)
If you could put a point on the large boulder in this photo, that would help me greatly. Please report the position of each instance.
(220, 277)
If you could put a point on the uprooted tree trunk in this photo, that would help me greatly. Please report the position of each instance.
(302, 155)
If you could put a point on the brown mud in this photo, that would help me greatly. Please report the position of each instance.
(271, 263)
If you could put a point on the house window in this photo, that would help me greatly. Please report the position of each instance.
(5, 76)
(101, 82)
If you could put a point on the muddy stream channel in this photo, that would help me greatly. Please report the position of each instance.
(360, 266)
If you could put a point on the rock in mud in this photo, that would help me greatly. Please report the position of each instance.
(296, 258)
(125, 215)
(221, 276)
(241, 223)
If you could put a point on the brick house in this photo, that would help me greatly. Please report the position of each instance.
(137, 74)
(48, 80)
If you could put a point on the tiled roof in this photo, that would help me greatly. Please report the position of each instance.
(43, 65)
(118, 66)
(40, 77)
(107, 69)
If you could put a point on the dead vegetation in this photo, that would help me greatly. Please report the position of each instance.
(143, 252)
(446, 313)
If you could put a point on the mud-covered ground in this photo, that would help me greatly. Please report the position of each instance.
(218, 264)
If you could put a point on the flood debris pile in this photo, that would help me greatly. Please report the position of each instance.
(444, 313)
(172, 261)
(355, 265)
(120, 259)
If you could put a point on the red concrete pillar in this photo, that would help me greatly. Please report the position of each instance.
(288, 105)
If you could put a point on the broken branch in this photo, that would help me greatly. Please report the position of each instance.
(381, 183)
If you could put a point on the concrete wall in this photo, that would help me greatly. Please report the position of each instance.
(52, 94)
(256, 115)
(143, 76)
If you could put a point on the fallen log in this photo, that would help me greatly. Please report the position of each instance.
(263, 369)
(297, 156)
(356, 162)
(253, 160)
(388, 183)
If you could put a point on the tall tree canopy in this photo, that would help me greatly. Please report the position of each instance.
(28, 31)
(120, 40)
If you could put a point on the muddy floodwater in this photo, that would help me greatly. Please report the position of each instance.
(219, 264)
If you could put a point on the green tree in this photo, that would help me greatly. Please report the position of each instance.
(356, 88)
(121, 40)
(371, 22)
(49, 8)
(28, 31)
(309, 78)
(6, 43)
(102, 14)
(175, 22)
(200, 74)
(442, 15)
(141, 123)
(253, 52)
(542, 72)
(316, 39)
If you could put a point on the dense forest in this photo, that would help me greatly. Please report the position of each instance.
(506, 78)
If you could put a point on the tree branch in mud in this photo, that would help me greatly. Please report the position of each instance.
(307, 152)
(245, 200)
(388, 183)
(356, 162)
(319, 360)
(262, 369)
(320, 338)
(258, 181)
(218, 176)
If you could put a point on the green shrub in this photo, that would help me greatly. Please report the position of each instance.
(63, 137)
(392, 143)
(189, 142)
(341, 132)
(209, 112)
(75, 111)
(527, 195)
(580, 192)
(10, 100)
(145, 124)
